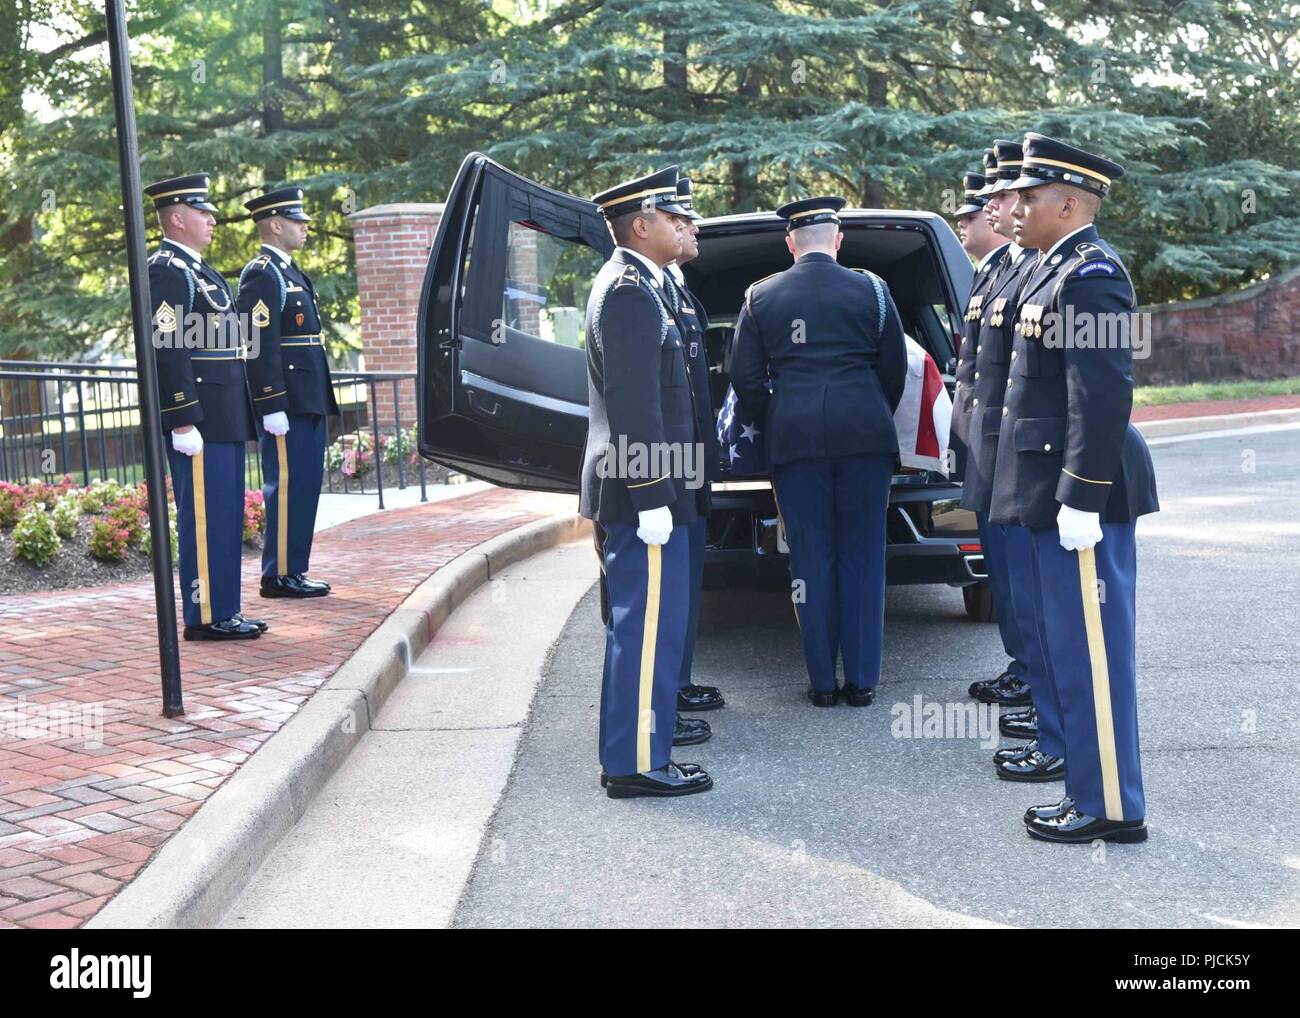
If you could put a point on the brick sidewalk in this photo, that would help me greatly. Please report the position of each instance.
(1173, 411)
(77, 822)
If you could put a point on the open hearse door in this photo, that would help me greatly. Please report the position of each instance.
(502, 364)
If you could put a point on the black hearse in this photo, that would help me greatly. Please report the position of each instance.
(503, 376)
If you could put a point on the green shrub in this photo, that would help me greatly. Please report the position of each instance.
(400, 446)
(126, 515)
(35, 538)
(13, 500)
(65, 516)
(146, 533)
(109, 541)
(95, 499)
(47, 493)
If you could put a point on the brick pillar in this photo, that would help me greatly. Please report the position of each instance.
(392, 251)
(525, 271)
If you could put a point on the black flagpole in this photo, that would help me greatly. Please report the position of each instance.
(164, 593)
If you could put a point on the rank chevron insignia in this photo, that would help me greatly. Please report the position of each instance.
(165, 318)
(261, 314)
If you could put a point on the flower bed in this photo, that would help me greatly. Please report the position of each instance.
(351, 457)
(55, 535)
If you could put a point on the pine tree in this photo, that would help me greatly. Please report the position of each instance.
(760, 100)
(258, 93)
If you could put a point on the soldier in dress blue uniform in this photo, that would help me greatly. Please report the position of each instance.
(203, 393)
(693, 697)
(989, 249)
(1006, 547)
(292, 392)
(1072, 469)
(831, 342)
(980, 242)
(642, 485)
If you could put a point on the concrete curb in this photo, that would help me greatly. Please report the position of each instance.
(194, 876)
(1216, 422)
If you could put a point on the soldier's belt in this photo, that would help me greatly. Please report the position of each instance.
(308, 340)
(232, 355)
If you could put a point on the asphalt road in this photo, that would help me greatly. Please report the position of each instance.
(823, 818)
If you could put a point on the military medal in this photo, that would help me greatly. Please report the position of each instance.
(1031, 321)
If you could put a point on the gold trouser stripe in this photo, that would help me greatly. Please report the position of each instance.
(1100, 684)
(282, 509)
(201, 537)
(649, 636)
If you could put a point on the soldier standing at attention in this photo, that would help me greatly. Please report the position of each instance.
(203, 393)
(986, 247)
(641, 430)
(292, 392)
(979, 240)
(984, 244)
(691, 314)
(1006, 547)
(1072, 469)
(831, 342)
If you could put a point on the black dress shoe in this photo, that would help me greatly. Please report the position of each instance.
(666, 781)
(856, 696)
(1049, 810)
(691, 731)
(687, 769)
(697, 698)
(1035, 766)
(312, 584)
(1014, 752)
(1020, 724)
(823, 698)
(262, 627)
(289, 586)
(233, 628)
(1007, 690)
(1075, 828)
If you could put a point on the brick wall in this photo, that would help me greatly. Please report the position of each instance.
(1249, 333)
(392, 251)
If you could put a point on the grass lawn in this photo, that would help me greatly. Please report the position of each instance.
(1197, 392)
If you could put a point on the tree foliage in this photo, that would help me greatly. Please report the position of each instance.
(762, 100)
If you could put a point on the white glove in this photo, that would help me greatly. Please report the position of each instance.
(655, 526)
(276, 424)
(1078, 530)
(189, 442)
